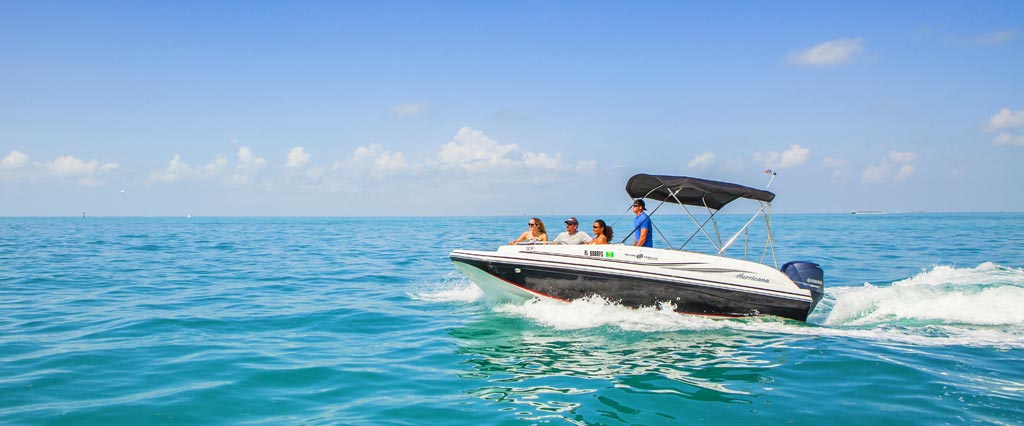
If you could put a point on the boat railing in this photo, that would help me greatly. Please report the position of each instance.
(716, 241)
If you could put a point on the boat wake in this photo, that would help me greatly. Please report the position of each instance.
(988, 294)
(596, 311)
(943, 306)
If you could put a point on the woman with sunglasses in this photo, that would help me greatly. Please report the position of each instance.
(602, 233)
(536, 234)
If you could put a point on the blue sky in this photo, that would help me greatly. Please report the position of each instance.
(474, 108)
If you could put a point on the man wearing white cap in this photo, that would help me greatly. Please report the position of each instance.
(572, 234)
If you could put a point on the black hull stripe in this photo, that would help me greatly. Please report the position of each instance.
(548, 296)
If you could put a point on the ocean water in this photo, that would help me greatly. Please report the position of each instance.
(366, 321)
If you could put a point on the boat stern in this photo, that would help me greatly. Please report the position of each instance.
(808, 276)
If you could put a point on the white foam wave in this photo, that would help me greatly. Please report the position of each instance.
(451, 290)
(931, 335)
(595, 311)
(984, 274)
(943, 306)
(985, 295)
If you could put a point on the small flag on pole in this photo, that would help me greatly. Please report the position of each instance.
(770, 172)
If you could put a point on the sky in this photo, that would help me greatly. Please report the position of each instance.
(451, 108)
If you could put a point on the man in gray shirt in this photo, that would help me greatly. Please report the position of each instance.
(572, 235)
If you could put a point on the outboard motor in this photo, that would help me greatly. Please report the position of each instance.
(807, 275)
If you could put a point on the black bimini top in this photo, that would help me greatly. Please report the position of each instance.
(692, 191)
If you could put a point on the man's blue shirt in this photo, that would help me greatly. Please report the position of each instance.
(640, 223)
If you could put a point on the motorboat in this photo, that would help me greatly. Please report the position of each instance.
(691, 282)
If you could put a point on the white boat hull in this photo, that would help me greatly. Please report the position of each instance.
(635, 276)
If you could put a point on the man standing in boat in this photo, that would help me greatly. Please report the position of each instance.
(642, 235)
(572, 235)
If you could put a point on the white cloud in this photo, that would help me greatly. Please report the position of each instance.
(586, 166)
(902, 157)
(215, 167)
(792, 157)
(411, 109)
(220, 168)
(1006, 119)
(297, 158)
(249, 162)
(70, 166)
(702, 161)
(314, 173)
(374, 160)
(389, 163)
(837, 165)
(366, 151)
(996, 37)
(542, 161)
(833, 162)
(1005, 139)
(877, 172)
(16, 159)
(904, 171)
(897, 166)
(469, 150)
(474, 151)
(248, 166)
(834, 52)
(175, 170)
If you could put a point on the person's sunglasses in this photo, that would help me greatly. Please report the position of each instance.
(532, 224)
(597, 227)
(636, 205)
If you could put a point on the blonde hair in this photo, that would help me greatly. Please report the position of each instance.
(540, 225)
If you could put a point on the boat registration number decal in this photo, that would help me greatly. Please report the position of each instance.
(598, 253)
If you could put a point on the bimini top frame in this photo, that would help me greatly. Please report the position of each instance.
(712, 195)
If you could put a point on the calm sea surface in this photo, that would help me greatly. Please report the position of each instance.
(366, 321)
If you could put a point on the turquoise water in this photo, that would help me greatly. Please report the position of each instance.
(366, 321)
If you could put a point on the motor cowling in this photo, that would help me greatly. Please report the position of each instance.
(807, 275)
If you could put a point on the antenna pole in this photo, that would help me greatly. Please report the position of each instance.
(769, 171)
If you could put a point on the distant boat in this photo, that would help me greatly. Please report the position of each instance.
(189, 216)
(867, 212)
